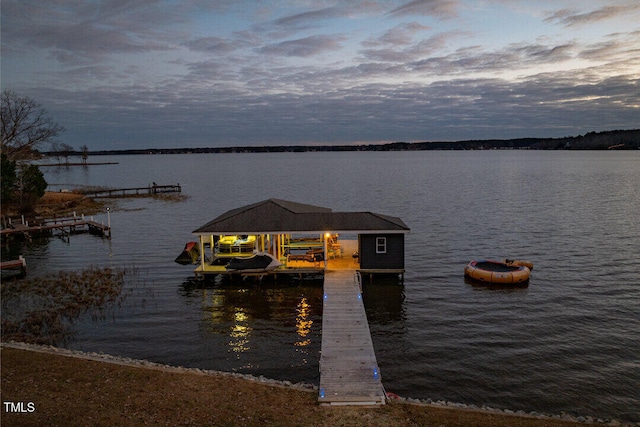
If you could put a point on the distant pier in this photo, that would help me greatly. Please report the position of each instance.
(151, 189)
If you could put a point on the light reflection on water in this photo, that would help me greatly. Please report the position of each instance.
(568, 342)
(259, 327)
(240, 333)
(303, 323)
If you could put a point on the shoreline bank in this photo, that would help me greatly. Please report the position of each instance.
(53, 379)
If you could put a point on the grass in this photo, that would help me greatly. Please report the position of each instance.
(40, 309)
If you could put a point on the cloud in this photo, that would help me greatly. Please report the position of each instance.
(120, 74)
(617, 47)
(543, 104)
(517, 56)
(77, 31)
(571, 17)
(437, 8)
(413, 52)
(399, 35)
(216, 45)
(305, 47)
(311, 17)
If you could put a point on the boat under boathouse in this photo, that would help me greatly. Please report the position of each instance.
(300, 239)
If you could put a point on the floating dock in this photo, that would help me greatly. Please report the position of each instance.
(349, 372)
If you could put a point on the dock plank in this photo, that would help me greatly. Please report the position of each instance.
(349, 372)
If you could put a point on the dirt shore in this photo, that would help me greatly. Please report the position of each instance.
(60, 388)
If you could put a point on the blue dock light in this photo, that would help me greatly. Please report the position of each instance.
(375, 373)
(359, 295)
(325, 296)
(321, 392)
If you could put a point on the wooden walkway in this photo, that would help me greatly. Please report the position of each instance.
(349, 373)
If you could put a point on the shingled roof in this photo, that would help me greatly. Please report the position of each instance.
(282, 216)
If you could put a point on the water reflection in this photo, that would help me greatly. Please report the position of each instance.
(384, 300)
(303, 323)
(240, 333)
(513, 287)
(258, 328)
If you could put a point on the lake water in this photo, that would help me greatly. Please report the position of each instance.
(569, 342)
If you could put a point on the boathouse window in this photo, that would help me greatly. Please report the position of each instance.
(381, 245)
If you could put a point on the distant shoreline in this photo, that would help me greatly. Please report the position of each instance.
(607, 140)
(78, 164)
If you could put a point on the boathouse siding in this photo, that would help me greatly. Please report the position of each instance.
(382, 251)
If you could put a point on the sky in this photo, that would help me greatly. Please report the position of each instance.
(120, 74)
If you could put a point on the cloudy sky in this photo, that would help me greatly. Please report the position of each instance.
(198, 73)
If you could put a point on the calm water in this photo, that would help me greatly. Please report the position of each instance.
(568, 342)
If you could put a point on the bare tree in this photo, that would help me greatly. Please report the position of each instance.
(60, 150)
(25, 126)
(85, 154)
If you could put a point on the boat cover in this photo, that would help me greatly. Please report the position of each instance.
(261, 261)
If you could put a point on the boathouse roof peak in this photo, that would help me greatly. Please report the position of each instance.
(276, 215)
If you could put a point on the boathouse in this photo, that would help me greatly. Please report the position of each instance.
(303, 238)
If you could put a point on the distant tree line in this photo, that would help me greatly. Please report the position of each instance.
(615, 139)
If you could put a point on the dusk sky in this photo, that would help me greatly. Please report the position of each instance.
(121, 74)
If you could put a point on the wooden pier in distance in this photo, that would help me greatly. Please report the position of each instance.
(150, 190)
(349, 372)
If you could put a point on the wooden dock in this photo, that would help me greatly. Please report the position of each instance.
(66, 227)
(349, 373)
(19, 264)
(151, 189)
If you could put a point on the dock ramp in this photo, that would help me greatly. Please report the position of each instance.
(349, 373)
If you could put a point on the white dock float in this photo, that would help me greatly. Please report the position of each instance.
(349, 373)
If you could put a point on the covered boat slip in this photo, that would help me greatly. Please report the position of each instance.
(303, 238)
(307, 261)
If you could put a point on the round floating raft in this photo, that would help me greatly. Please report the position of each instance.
(518, 262)
(507, 272)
